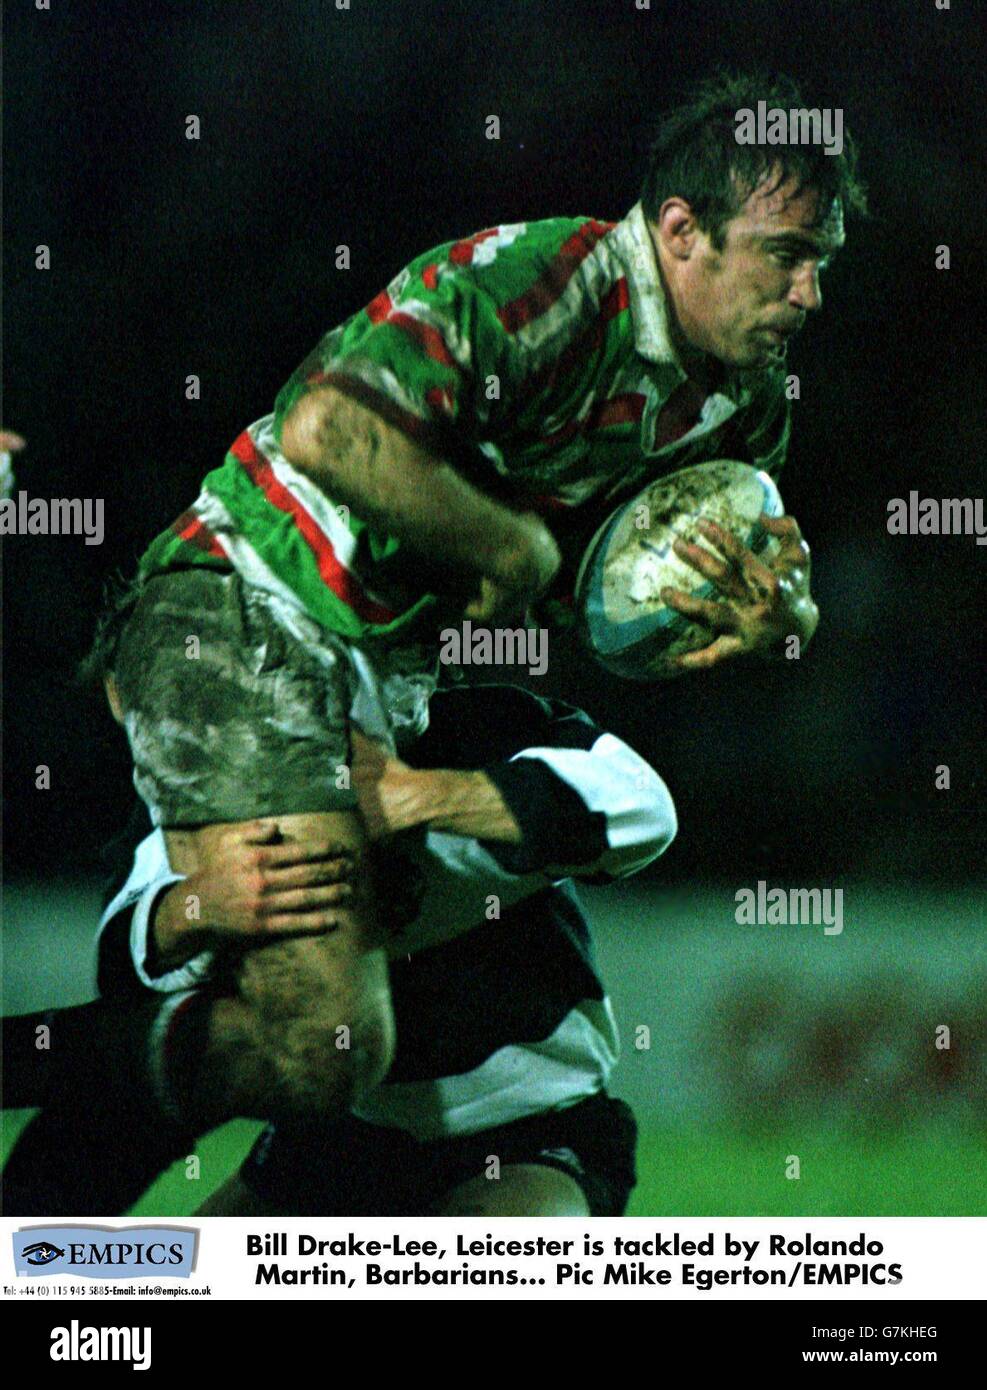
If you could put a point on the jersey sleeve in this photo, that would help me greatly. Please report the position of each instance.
(429, 354)
(128, 917)
(587, 805)
(594, 811)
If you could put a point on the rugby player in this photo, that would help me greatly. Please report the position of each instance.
(447, 451)
(506, 1039)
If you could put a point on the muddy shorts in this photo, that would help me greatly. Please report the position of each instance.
(238, 705)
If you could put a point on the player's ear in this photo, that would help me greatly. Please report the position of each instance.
(113, 697)
(677, 227)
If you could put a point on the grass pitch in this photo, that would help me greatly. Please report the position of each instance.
(936, 1172)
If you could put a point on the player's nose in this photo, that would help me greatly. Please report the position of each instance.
(806, 293)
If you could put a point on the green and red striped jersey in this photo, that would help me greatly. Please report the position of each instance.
(536, 358)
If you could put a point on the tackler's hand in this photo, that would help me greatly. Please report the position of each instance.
(250, 884)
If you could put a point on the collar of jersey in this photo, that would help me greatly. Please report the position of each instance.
(649, 310)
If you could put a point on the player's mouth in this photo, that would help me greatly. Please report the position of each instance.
(781, 335)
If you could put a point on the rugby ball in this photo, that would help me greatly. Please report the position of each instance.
(621, 618)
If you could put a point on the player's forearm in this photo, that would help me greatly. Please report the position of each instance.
(460, 803)
(362, 461)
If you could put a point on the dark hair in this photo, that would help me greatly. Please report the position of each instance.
(695, 155)
(119, 597)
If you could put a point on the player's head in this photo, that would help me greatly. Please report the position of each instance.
(742, 231)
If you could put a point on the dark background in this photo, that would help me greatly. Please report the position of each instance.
(366, 127)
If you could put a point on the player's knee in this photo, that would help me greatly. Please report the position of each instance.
(364, 1047)
(323, 1007)
(521, 1189)
(324, 1065)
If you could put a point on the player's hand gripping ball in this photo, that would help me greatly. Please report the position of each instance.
(700, 566)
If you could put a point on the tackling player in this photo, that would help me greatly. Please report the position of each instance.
(512, 796)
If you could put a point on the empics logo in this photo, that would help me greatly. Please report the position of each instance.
(100, 1252)
(75, 1343)
(41, 1253)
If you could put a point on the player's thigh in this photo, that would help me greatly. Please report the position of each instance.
(348, 963)
(321, 1005)
(236, 709)
(233, 707)
(522, 1189)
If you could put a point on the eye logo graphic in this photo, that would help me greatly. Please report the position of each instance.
(104, 1252)
(42, 1253)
